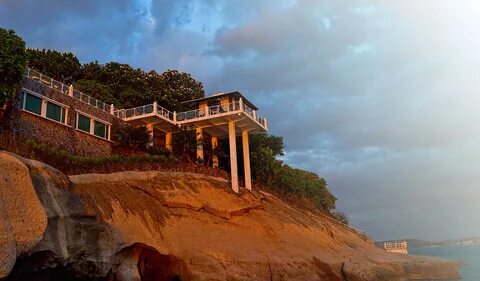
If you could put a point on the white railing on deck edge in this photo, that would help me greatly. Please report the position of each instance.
(56, 85)
(143, 110)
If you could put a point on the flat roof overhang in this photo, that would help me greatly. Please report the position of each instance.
(194, 103)
(217, 125)
(159, 122)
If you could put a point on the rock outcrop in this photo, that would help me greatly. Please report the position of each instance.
(176, 226)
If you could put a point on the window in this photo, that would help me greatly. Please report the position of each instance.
(33, 104)
(42, 106)
(83, 123)
(55, 112)
(100, 129)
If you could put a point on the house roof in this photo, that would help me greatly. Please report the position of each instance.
(194, 103)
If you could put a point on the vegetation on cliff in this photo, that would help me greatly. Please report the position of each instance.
(12, 63)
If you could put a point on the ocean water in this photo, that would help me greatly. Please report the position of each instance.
(469, 255)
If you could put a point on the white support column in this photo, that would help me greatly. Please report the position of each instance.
(174, 117)
(112, 109)
(168, 140)
(233, 155)
(70, 90)
(246, 160)
(214, 155)
(199, 134)
(240, 104)
(150, 132)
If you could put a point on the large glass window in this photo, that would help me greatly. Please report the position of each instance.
(83, 123)
(55, 112)
(100, 129)
(33, 104)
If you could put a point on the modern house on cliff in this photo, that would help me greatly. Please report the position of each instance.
(61, 116)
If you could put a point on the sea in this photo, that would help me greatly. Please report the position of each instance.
(469, 255)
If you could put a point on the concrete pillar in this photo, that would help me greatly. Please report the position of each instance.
(246, 160)
(112, 109)
(199, 134)
(168, 140)
(214, 155)
(70, 90)
(233, 155)
(150, 132)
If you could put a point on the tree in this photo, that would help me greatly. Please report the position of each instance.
(179, 87)
(96, 90)
(12, 63)
(264, 149)
(131, 137)
(64, 67)
(184, 143)
(275, 143)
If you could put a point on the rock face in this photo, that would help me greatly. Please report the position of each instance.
(176, 226)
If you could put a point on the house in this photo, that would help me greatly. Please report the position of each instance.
(394, 246)
(64, 117)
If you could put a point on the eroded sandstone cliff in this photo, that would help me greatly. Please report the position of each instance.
(176, 226)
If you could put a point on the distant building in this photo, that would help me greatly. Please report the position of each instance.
(398, 246)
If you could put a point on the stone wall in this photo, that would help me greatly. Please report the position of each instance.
(25, 125)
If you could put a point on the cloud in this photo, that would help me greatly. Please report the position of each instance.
(380, 97)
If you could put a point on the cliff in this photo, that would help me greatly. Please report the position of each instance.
(176, 226)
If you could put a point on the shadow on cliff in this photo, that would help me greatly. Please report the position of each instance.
(134, 263)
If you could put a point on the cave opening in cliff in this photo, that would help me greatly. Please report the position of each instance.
(154, 266)
(42, 266)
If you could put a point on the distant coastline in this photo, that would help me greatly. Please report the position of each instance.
(475, 241)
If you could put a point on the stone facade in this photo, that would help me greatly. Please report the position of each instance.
(26, 125)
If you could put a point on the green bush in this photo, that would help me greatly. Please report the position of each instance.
(131, 137)
(67, 157)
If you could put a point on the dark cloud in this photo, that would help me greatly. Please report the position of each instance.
(379, 97)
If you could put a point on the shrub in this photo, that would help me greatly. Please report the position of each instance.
(131, 137)
(340, 216)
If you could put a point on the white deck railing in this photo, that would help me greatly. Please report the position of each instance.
(59, 86)
(148, 109)
(144, 110)
(45, 80)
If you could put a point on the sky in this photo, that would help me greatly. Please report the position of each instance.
(379, 97)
